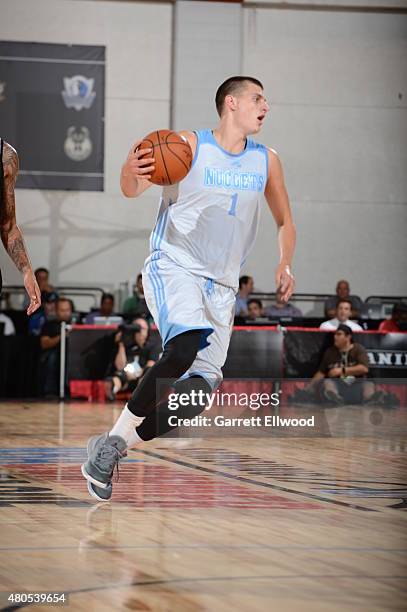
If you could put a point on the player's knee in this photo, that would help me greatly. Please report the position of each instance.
(199, 390)
(180, 352)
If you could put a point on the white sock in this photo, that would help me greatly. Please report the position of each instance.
(126, 424)
(134, 440)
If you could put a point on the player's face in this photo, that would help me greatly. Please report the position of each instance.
(252, 108)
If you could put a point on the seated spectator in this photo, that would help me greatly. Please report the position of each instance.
(398, 321)
(343, 312)
(42, 276)
(47, 312)
(106, 309)
(254, 309)
(135, 354)
(246, 285)
(343, 371)
(343, 293)
(50, 340)
(136, 305)
(281, 309)
(9, 329)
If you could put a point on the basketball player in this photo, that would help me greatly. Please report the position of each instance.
(11, 235)
(205, 228)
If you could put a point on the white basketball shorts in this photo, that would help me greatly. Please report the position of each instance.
(180, 301)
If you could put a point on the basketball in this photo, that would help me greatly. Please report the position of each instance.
(173, 156)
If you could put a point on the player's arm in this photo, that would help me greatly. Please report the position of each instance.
(136, 171)
(277, 199)
(190, 137)
(11, 235)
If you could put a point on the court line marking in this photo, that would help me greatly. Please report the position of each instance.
(267, 485)
(208, 547)
(170, 581)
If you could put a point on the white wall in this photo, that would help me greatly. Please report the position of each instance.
(337, 121)
(207, 51)
(89, 237)
(339, 125)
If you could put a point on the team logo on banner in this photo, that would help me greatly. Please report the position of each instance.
(2, 89)
(78, 145)
(78, 92)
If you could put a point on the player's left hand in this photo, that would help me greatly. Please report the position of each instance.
(285, 281)
(34, 293)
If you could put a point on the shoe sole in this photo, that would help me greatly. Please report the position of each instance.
(93, 493)
(98, 483)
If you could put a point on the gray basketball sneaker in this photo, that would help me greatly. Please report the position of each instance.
(99, 493)
(104, 454)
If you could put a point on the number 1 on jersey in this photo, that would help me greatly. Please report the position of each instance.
(232, 209)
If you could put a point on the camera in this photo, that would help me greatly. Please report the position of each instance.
(128, 332)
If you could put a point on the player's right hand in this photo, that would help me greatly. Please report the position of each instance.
(139, 163)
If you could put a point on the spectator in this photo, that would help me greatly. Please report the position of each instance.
(246, 285)
(47, 312)
(106, 309)
(135, 354)
(42, 276)
(50, 340)
(343, 312)
(343, 293)
(254, 309)
(9, 329)
(281, 309)
(136, 305)
(398, 321)
(343, 371)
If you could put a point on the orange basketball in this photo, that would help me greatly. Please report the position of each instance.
(173, 156)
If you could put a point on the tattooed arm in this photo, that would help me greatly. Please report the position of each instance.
(11, 235)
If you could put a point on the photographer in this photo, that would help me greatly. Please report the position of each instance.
(135, 354)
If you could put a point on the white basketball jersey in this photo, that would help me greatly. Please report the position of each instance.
(208, 222)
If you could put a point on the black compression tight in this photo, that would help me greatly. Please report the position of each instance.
(178, 356)
(156, 424)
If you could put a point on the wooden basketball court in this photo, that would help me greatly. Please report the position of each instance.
(280, 522)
